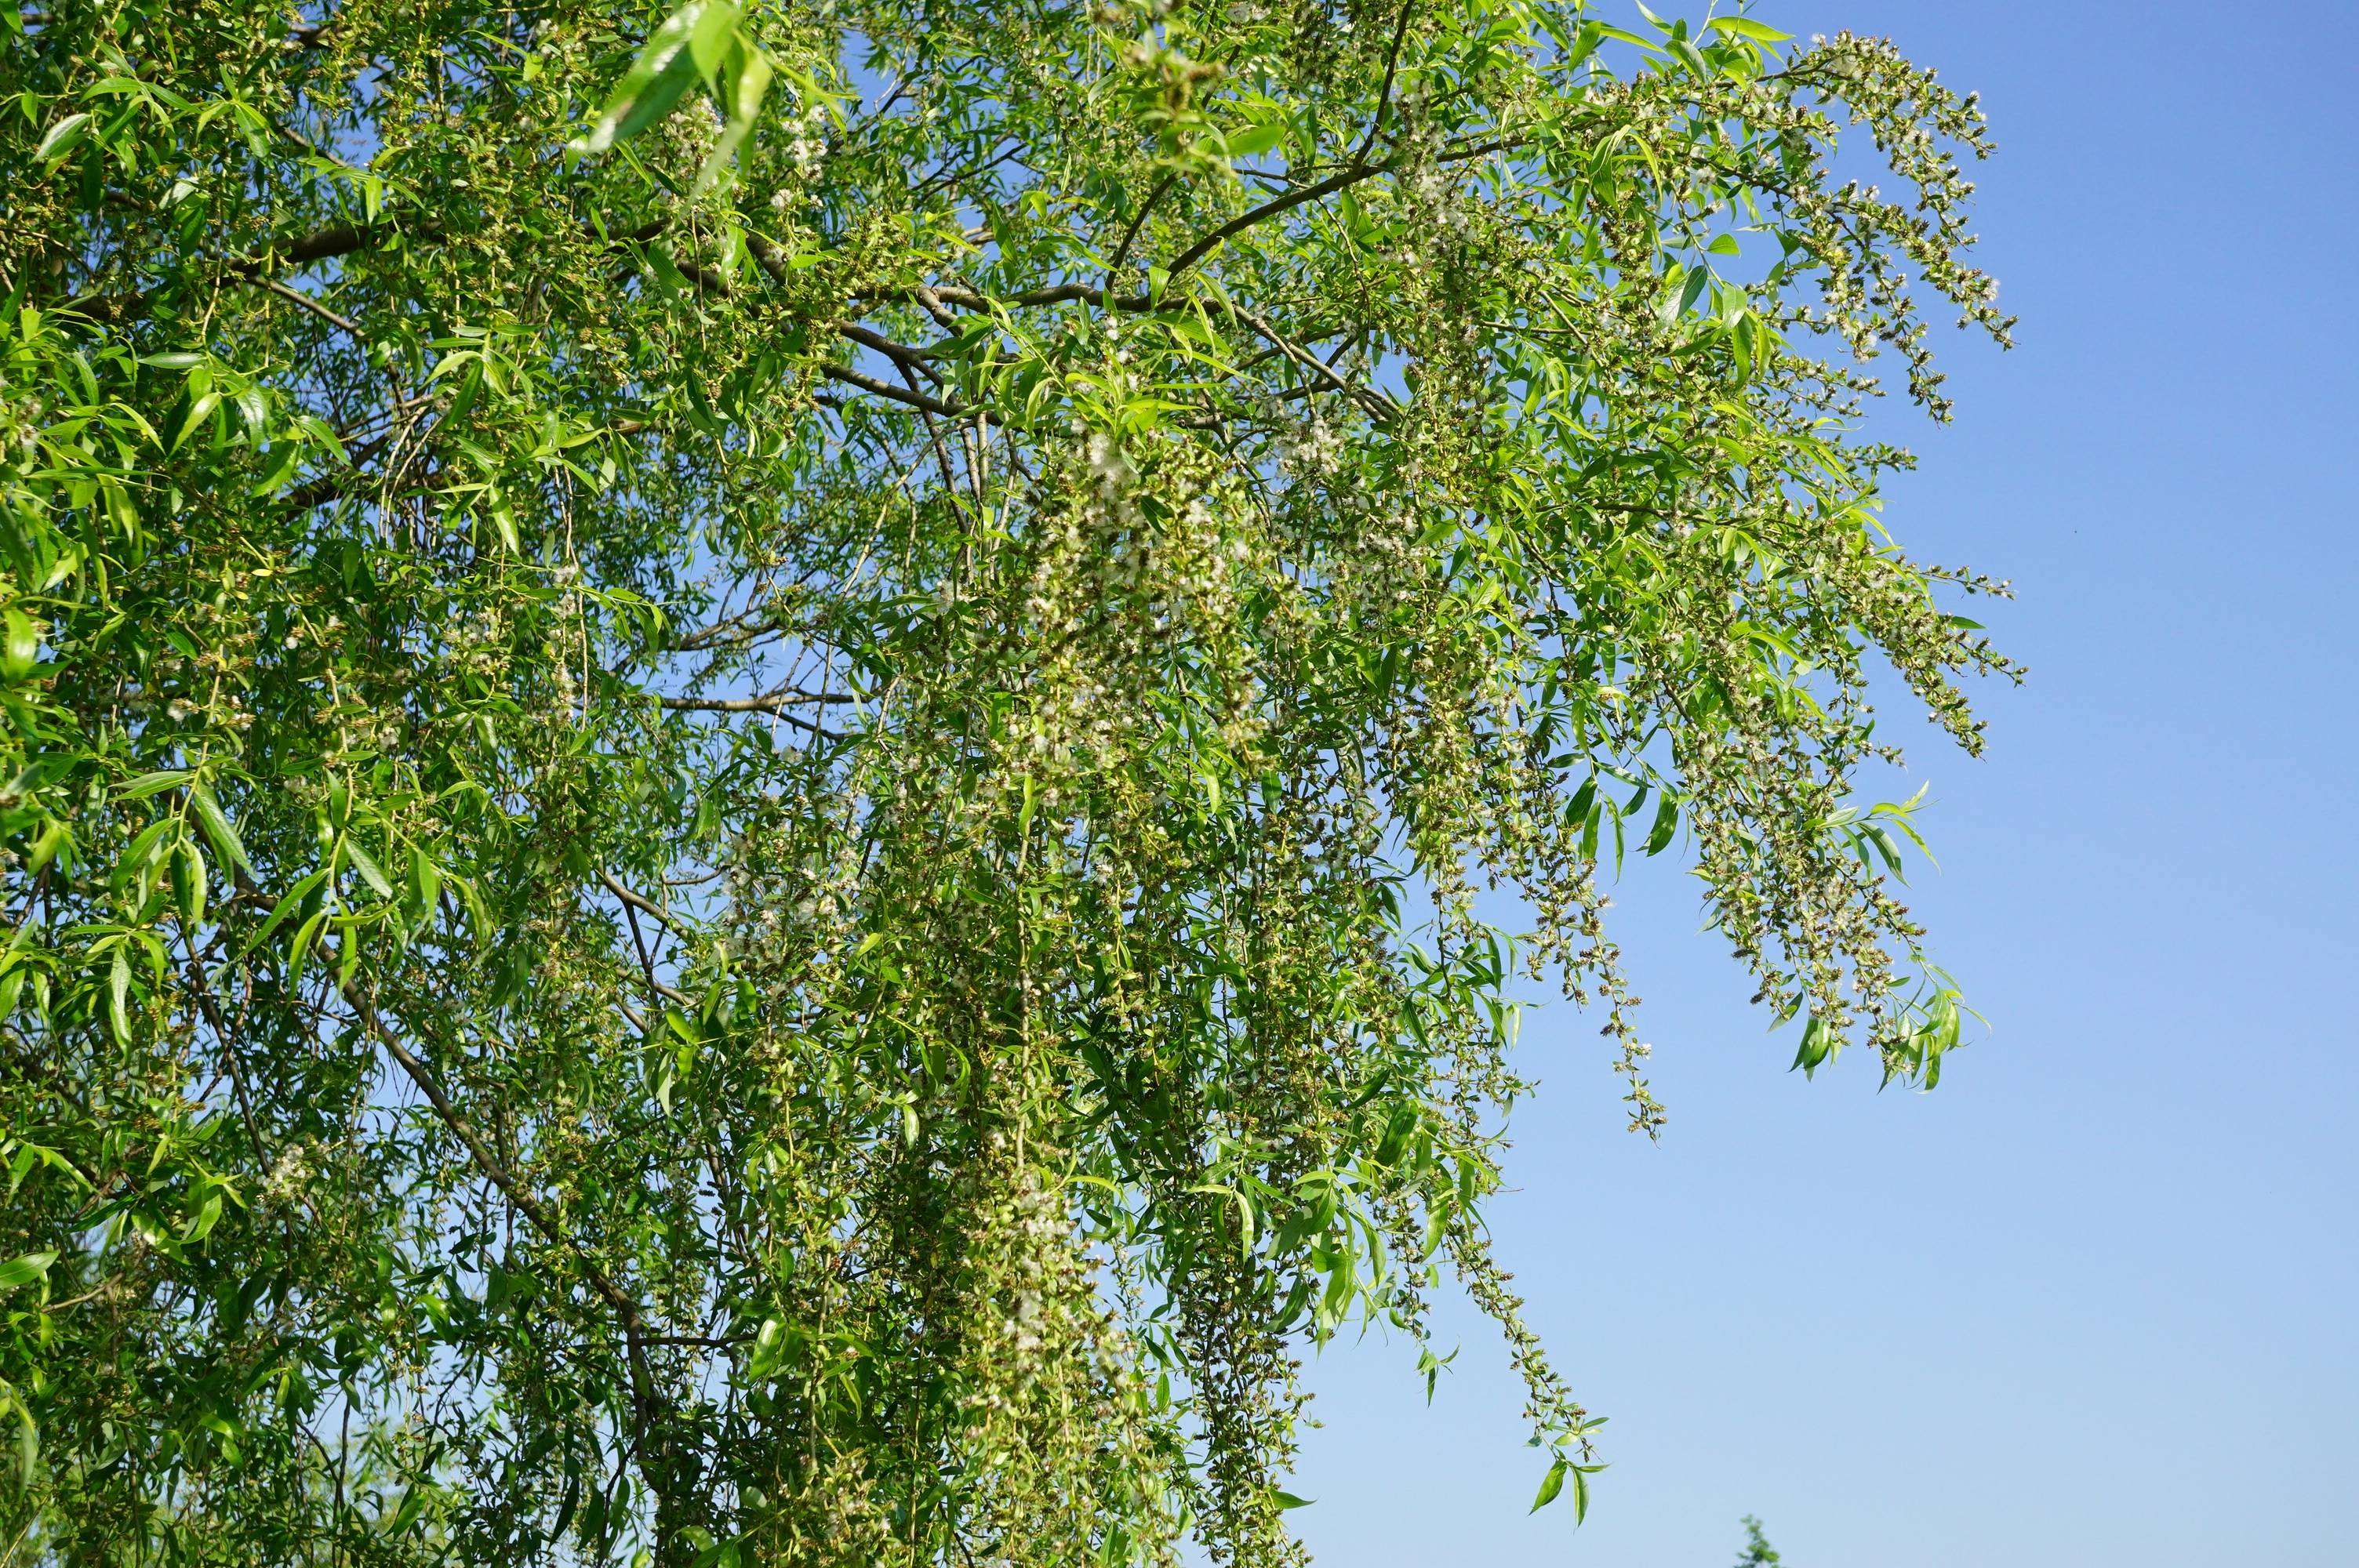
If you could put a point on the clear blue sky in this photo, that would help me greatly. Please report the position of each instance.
(2096, 1300)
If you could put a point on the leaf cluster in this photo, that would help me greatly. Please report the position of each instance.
(747, 749)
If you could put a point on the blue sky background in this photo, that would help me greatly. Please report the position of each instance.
(2096, 1300)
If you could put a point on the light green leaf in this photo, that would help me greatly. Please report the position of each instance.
(216, 824)
(147, 784)
(286, 906)
(189, 884)
(24, 1270)
(118, 987)
(62, 137)
(299, 949)
(746, 75)
(666, 69)
(200, 411)
(1552, 1483)
(365, 864)
(20, 654)
(709, 39)
(1745, 27)
(1252, 140)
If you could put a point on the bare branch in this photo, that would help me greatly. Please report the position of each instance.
(767, 702)
(869, 383)
(645, 905)
(297, 297)
(1271, 209)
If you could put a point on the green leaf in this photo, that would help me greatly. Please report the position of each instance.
(215, 822)
(664, 69)
(1667, 825)
(413, 1504)
(1286, 1500)
(118, 987)
(147, 784)
(1819, 1043)
(479, 914)
(24, 1270)
(1692, 289)
(199, 410)
(1552, 1483)
(300, 948)
(1253, 140)
(189, 884)
(425, 882)
(21, 650)
(1622, 36)
(140, 850)
(709, 38)
(364, 863)
(28, 1438)
(62, 137)
(1745, 28)
(286, 906)
(746, 75)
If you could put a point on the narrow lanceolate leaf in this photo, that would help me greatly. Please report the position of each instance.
(1552, 1483)
(684, 48)
(216, 825)
(62, 137)
(365, 864)
(1747, 28)
(26, 1270)
(118, 993)
(20, 646)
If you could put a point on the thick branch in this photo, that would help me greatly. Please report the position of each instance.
(335, 239)
(297, 297)
(869, 383)
(901, 354)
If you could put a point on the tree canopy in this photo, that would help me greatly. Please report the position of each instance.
(753, 751)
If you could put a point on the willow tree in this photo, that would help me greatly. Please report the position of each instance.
(754, 753)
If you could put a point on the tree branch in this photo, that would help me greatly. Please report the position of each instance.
(307, 302)
(767, 702)
(640, 901)
(1271, 209)
(1385, 94)
(869, 383)
(1374, 402)
(901, 354)
(1138, 221)
(335, 239)
(645, 1398)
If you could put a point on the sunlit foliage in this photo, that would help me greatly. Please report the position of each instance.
(749, 751)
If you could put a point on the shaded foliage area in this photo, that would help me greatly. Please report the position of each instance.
(748, 750)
